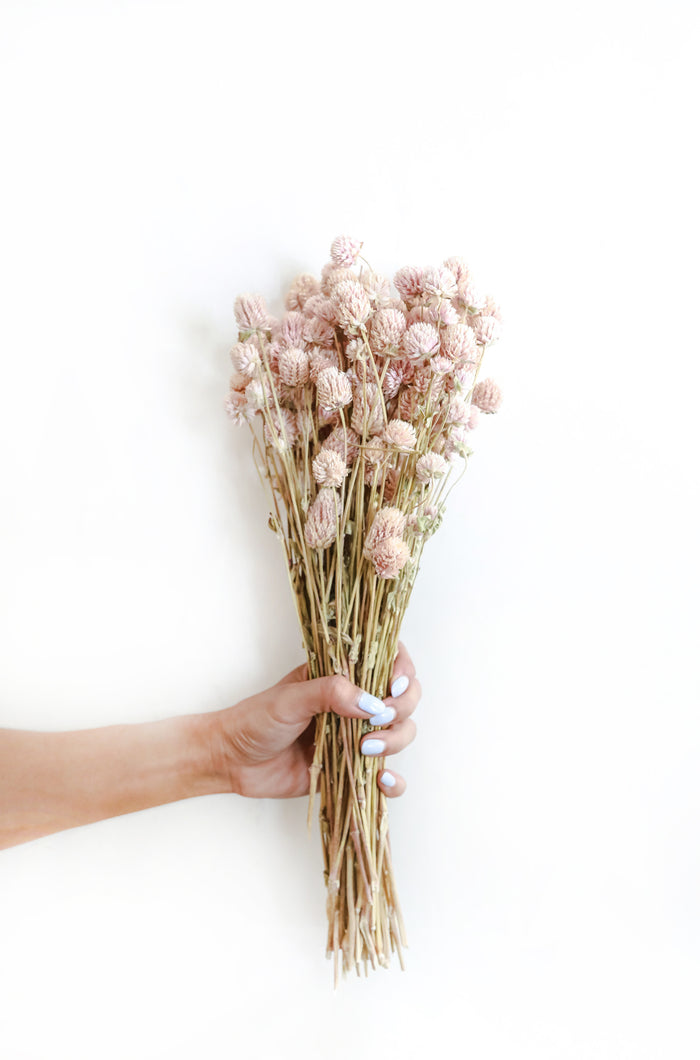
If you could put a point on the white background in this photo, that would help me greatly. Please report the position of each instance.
(160, 158)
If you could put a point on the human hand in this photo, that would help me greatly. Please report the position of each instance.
(264, 744)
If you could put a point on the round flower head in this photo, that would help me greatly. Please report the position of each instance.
(459, 269)
(458, 342)
(319, 360)
(375, 452)
(388, 522)
(318, 332)
(293, 366)
(386, 331)
(486, 329)
(440, 365)
(355, 348)
(259, 394)
(245, 357)
(251, 312)
(393, 378)
(492, 308)
(352, 306)
(329, 468)
(409, 400)
(439, 283)
(322, 519)
(457, 442)
(236, 407)
(333, 389)
(332, 274)
(487, 396)
(408, 281)
(344, 251)
(457, 410)
(345, 441)
(429, 467)
(318, 305)
(282, 432)
(367, 410)
(302, 288)
(400, 435)
(378, 289)
(471, 295)
(390, 557)
(421, 340)
(238, 381)
(291, 330)
(463, 377)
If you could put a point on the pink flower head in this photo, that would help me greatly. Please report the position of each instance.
(457, 410)
(245, 357)
(318, 332)
(457, 442)
(408, 281)
(393, 378)
(388, 522)
(439, 283)
(236, 407)
(355, 348)
(430, 466)
(259, 394)
(291, 331)
(458, 342)
(294, 366)
(487, 330)
(487, 396)
(334, 389)
(409, 400)
(378, 289)
(282, 432)
(319, 360)
(251, 312)
(367, 410)
(390, 557)
(459, 269)
(301, 289)
(344, 251)
(400, 435)
(318, 305)
(351, 304)
(420, 341)
(322, 519)
(345, 441)
(471, 295)
(440, 365)
(386, 331)
(331, 274)
(329, 468)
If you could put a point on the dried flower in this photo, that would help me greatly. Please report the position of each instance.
(487, 396)
(459, 269)
(430, 466)
(457, 442)
(236, 407)
(301, 289)
(245, 357)
(387, 328)
(344, 251)
(331, 274)
(457, 410)
(282, 432)
(378, 289)
(390, 557)
(291, 329)
(458, 342)
(329, 468)
(294, 366)
(345, 441)
(440, 365)
(319, 333)
(319, 360)
(393, 378)
(333, 389)
(388, 522)
(421, 340)
(251, 312)
(351, 304)
(367, 410)
(322, 519)
(400, 435)
(439, 283)
(471, 295)
(486, 329)
(259, 393)
(408, 281)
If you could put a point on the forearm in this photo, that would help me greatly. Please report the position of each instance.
(50, 781)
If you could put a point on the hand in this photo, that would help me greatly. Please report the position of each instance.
(264, 744)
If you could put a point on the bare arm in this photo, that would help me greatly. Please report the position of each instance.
(50, 781)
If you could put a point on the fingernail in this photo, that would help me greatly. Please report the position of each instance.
(399, 686)
(373, 747)
(385, 718)
(388, 780)
(371, 704)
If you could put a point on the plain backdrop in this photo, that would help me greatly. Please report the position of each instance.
(160, 158)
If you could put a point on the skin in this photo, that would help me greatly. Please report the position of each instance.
(260, 748)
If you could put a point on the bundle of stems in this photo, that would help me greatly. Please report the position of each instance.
(360, 400)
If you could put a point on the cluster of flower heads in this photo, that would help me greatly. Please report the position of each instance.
(358, 371)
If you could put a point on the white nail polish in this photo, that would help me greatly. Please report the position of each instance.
(399, 686)
(385, 718)
(373, 747)
(388, 780)
(370, 704)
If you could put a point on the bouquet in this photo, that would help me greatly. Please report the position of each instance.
(361, 399)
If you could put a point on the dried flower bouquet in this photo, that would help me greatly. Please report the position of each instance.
(361, 399)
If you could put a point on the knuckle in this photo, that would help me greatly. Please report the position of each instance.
(337, 689)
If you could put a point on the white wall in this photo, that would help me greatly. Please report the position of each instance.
(161, 158)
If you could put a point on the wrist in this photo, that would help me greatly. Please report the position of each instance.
(204, 764)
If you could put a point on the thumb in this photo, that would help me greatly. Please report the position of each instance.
(300, 701)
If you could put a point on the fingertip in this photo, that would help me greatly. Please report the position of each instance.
(392, 784)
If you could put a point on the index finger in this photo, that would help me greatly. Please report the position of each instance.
(403, 671)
